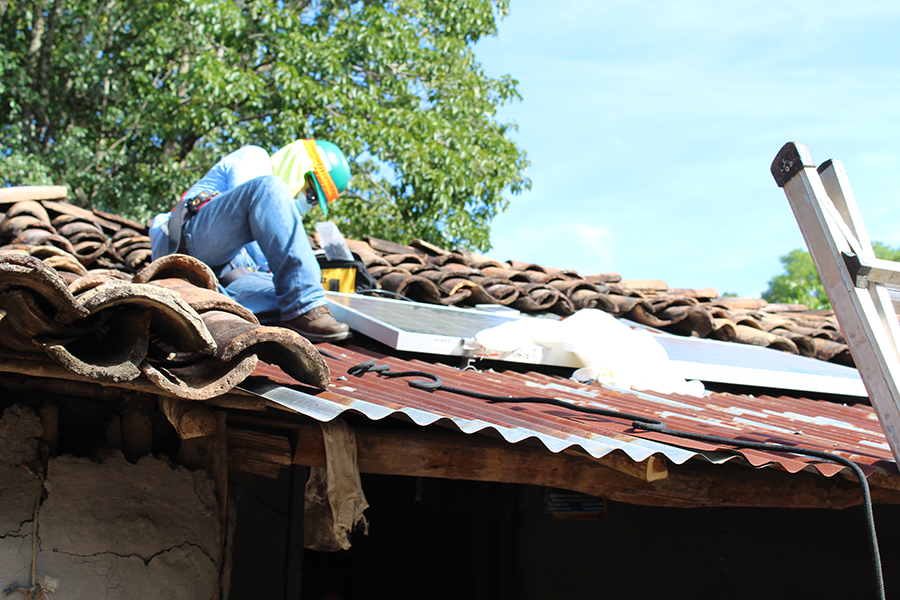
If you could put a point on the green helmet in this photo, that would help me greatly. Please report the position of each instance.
(340, 168)
(322, 161)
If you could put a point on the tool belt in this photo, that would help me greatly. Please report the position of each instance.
(181, 214)
(346, 276)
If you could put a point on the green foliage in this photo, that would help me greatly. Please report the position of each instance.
(128, 103)
(25, 170)
(800, 284)
(886, 252)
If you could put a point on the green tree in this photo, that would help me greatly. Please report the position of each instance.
(800, 283)
(886, 252)
(127, 103)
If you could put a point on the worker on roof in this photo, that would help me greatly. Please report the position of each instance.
(243, 219)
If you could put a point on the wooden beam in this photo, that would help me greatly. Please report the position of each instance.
(695, 484)
(479, 458)
(190, 419)
(259, 453)
(238, 400)
(48, 377)
(452, 451)
(256, 467)
(651, 469)
(33, 192)
(883, 480)
(454, 456)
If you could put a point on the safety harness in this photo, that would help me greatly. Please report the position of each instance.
(181, 214)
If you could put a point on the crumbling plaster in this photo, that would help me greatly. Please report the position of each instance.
(106, 528)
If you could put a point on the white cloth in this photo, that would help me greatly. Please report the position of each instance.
(610, 351)
(335, 501)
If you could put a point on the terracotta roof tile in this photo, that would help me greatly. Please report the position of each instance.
(86, 298)
(418, 272)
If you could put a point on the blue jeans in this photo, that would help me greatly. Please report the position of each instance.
(264, 211)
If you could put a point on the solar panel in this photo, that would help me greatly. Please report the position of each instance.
(435, 329)
(741, 364)
(427, 319)
(450, 331)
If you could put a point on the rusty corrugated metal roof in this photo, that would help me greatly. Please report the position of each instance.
(850, 431)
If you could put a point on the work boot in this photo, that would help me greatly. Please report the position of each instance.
(319, 325)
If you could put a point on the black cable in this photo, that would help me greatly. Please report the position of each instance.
(770, 447)
(437, 384)
(328, 354)
(648, 424)
(373, 291)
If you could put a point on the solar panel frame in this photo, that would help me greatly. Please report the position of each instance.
(450, 331)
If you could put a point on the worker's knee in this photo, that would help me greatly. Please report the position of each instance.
(273, 186)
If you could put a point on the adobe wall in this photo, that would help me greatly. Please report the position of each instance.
(106, 528)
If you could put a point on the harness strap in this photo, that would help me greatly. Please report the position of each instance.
(182, 212)
(176, 227)
(233, 275)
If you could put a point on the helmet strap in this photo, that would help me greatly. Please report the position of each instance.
(321, 173)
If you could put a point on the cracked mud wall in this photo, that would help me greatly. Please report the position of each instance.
(106, 528)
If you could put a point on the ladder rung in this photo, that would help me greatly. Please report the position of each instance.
(879, 271)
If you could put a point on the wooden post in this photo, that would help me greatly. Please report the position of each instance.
(190, 419)
(50, 423)
(210, 453)
(220, 478)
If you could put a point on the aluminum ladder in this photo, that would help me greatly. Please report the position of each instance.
(858, 284)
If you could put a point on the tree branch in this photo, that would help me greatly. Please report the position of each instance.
(37, 34)
(44, 68)
(296, 6)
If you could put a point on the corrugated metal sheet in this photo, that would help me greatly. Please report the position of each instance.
(851, 431)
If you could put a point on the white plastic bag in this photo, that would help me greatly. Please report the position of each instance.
(610, 351)
(332, 241)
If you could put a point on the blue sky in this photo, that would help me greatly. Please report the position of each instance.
(651, 126)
